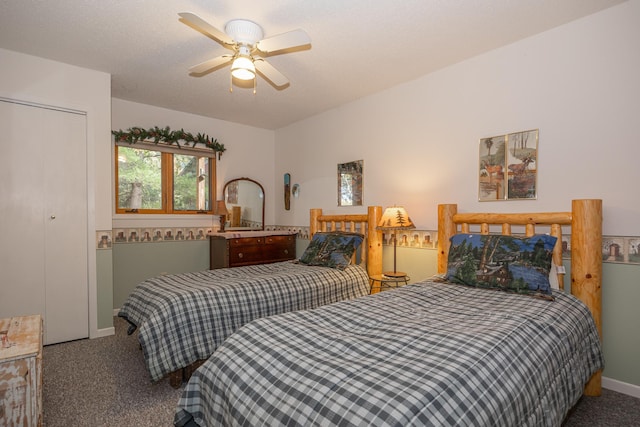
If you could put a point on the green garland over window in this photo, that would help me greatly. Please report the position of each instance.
(156, 135)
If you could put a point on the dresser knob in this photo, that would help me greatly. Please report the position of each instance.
(286, 251)
(240, 255)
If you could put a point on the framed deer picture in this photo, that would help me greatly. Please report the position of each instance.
(508, 167)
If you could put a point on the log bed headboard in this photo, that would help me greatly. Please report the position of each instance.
(585, 220)
(362, 223)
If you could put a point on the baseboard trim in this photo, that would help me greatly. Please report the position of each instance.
(105, 332)
(621, 387)
(115, 312)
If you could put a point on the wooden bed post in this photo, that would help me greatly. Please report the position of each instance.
(374, 240)
(319, 222)
(586, 266)
(446, 229)
(314, 224)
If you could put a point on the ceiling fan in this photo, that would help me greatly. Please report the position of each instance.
(245, 39)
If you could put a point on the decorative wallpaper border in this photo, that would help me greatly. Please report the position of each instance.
(425, 239)
(105, 238)
(615, 249)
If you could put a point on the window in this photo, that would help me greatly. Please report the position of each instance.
(156, 180)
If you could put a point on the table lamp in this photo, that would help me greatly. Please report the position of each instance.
(221, 210)
(393, 219)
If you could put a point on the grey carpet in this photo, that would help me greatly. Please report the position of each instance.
(103, 382)
(612, 409)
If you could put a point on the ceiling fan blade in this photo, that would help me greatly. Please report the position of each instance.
(270, 73)
(204, 27)
(282, 41)
(205, 66)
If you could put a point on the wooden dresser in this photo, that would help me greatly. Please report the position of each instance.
(21, 371)
(232, 249)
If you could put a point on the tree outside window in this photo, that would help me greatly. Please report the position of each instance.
(151, 181)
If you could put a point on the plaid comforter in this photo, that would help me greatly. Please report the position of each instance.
(184, 317)
(428, 354)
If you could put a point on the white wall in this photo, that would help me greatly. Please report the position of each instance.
(36, 80)
(578, 84)
(250, 151)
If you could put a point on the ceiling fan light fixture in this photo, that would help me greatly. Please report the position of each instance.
(245, 38)
(243, 68)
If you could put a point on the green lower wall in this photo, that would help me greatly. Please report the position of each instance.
(135, 262)
(104, 273)
(419, 264)
(621, 321)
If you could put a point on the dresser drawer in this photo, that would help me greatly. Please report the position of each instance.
(238, 251)
(246, 241)
(280, 248)
(246, 254)
(279, 240)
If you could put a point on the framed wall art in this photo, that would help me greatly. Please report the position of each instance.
(232, 192)
(508, 167)
(350, 177)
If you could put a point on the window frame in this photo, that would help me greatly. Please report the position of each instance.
(167, 174)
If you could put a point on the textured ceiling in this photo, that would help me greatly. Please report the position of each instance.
(358, 47)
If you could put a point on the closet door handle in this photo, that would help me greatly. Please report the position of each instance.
(53, 217)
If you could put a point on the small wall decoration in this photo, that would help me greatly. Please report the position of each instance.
(508, 167)
(287, 191)
(350, 183)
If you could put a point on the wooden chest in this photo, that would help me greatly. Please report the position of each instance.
(229, 251)
(21, 371)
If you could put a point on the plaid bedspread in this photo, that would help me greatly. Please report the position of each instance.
(182, 318)
(428, 354)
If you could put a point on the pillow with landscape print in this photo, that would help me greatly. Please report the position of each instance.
(331, 249)
(509, 263)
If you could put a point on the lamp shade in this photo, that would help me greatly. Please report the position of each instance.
(395, 218)
(243, 68)
(221, 208)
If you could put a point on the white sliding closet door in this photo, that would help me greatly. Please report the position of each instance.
(21, 214)
(43, 213)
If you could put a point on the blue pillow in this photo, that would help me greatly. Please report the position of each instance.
(508, 263)
(331, 249)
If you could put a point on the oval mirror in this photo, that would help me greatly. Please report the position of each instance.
(244, 199)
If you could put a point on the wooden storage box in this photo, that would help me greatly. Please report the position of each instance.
(21, 371)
